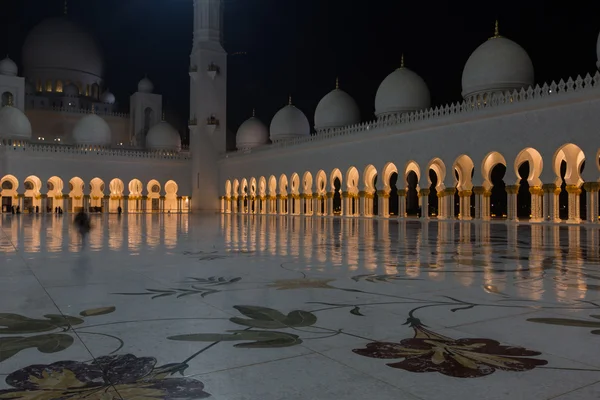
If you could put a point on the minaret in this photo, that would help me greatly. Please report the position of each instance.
(208, 103)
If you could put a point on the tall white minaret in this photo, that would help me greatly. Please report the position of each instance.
(208, 103)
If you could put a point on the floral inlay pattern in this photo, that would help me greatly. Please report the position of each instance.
(428, 351)
(106, 378)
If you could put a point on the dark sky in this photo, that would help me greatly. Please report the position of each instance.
(300, 46)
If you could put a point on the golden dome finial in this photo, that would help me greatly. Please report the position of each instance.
(496, 31)
(402, 61)
(290, 100)
(337, 82)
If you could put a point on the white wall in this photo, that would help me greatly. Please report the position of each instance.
(544, 125)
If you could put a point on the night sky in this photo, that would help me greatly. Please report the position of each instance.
(298, 47)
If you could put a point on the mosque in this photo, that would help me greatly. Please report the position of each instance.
(61, 141)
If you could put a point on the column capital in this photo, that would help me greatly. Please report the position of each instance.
(330, 195)
(449, 191)
(591, 186)
(345, 194)
(465, 193)
(401, 192)
(550, 188)
(573, 189)
(424, 192)
(478, 190)
(44, 196)
(536, 190)
(512, 189)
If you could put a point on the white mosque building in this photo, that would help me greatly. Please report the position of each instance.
(63, 145)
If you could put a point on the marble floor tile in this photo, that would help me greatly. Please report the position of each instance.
(257, 307)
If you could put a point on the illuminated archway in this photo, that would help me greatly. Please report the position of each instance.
(32, 197)
(568, 164)
(116, 188)
(307, 192)
(528, 167)
(370, 199)
(412, 177)
(153, 202)
(350, 197)
(439, 200)
(171, 189)
(76, 188)
(464, 169)
(55, 186)
(96, 194)
(494, 201)
(9, 186)
(135, 195)
(390, 188)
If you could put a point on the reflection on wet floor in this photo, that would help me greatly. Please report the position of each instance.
(324, 307)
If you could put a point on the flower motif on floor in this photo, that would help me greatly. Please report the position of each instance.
(460, 358)
(289, 284)
(106, 378)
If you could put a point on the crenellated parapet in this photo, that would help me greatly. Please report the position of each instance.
(93, 151)
(533, 97)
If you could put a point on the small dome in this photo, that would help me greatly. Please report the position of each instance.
(8, 67)
(108, 97)
(145, 85)
(497, 65)
(252, 133)
(92, 130)
(289, 123)
(14, 124)
(29, 88)
(400, 92)
(71, 90)
(335, 110)
(163, 136)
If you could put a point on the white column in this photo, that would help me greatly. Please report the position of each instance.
(573, 206)
(424, 197)
(591, 193)
(512, 191)
(401, 203)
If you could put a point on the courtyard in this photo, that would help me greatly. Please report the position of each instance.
(232, 307)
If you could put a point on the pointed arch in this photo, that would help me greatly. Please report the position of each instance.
(283, 185)
(236, 188)
(489, 162)
(295, 186)
(244, 187)
(464, 167)
(574, 157)
(253, 187)
(272, 186)
(388, 170)
(262, 186)
(536, 166)
(228, 188)
(439, 168)
(352, 179)
(412, 166)
(369, 176)
(335, 174)
(171, 189)
(321, 182)
(307, 183)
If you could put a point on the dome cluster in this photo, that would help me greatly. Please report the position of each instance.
(499, 65)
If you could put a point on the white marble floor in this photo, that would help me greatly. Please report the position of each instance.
(254, 307)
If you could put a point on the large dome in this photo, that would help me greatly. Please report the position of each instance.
(497, 65)
(289, 123)
(400, 92)
(14, 124)
(163, 136)
(58, 48)
(335, 110)
(92, 130)
(252, 133)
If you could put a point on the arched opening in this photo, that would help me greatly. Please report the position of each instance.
(307, 190)
(97, 195)
(322, 192)
(7, 98)
(582, 196)
(8, 190)
(295, 201)
(283, 194)
(253, 206)
(337, 196)
(498, 198)
(568, 163)
(370, 197)
(351, 202)
(32, 196)
(116, 188)
(272, 209)
(59, 86)
(54, 187)
(76, 187)
(412, 194)
(524, 195)
(153, 189)
(393, 200)
(135, 196)
(171, 189)
(433, 194)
